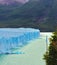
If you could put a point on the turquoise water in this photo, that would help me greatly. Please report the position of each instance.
(32, 54)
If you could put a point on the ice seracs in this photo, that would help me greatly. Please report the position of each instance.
(16, 37)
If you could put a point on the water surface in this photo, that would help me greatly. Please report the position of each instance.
(33, 53)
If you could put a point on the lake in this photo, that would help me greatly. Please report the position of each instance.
(31, 54)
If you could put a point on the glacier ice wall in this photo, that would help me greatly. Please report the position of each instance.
(11, 38)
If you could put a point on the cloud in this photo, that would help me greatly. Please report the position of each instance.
(22, 1)
(9, 1)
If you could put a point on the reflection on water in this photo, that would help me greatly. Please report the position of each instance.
(2, 58)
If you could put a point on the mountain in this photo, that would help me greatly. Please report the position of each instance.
(41, 14)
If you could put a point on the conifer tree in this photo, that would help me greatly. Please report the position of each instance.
(51, 55)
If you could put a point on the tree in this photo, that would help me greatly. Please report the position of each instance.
(51, 56)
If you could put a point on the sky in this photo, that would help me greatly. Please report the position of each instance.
(7, 1)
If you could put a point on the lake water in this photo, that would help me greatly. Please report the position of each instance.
(31, 54)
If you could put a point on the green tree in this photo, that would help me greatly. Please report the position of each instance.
(51, 56)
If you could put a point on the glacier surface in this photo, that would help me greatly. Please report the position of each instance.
(13, 38)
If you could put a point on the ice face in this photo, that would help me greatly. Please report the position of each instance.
(16, 37)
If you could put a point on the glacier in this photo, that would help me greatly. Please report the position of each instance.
(13, 38)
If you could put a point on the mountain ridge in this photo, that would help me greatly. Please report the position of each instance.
(40, 14)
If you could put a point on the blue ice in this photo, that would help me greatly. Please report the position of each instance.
(16, 37)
